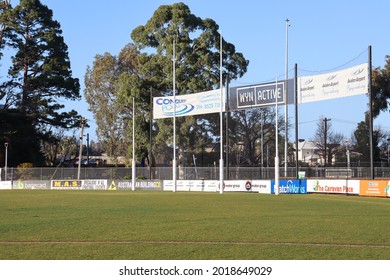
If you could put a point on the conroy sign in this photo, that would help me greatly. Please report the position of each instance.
(189, 104)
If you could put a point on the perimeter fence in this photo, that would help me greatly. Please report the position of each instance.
(188, 173)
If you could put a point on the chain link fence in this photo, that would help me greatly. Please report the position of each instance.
(187, 173)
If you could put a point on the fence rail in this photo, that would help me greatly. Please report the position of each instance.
(187, 173)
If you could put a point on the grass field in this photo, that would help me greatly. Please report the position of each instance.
(105, 225)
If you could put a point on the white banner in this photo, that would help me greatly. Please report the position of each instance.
(344, 83)
(260, 186)
(191, 185)
(333, 186)
(189, 104)
(5, 185)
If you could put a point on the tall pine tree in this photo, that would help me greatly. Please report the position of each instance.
(39, 79)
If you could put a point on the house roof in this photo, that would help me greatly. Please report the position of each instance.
(307, 145)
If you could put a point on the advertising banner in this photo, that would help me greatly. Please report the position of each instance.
(375, 188)
(260, 186)
(192, 185)
(290, 187)
(344, 83)
(94, 184)
(32, 185)
(5, 185)
(140, 184)
(333, 186)
(253, 96)
(66, 184)
(189, 104)
(260, 95)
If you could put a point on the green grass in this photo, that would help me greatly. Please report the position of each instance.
(192, 226)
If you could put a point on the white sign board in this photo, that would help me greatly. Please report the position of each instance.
(189, 104)
(344, 83)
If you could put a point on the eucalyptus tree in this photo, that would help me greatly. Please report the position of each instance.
(197, 63)
(109, 85)
(381, 88)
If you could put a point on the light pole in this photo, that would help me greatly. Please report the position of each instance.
(347, 152)
(221, 116)
(133, 160)
(174, 117)
(6, 160)
(286, 104)
(82, 124)
(276, 187)
(388, 151)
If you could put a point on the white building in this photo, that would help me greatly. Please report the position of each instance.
(307, 152)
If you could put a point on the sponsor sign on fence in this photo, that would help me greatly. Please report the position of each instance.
(5, 185)
(32, 185)
(260, 186)
(333, 186)
(127, 185)
(192, 185)
(66, 184)
(290, 187)
(247, 186)
(375, 188)
(79, 184)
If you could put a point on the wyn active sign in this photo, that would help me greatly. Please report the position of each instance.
(260, 95)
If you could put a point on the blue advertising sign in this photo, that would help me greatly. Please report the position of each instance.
(290, 187)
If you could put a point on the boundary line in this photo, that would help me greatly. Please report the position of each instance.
(192, 242)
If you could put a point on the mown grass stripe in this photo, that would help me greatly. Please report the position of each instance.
(190, 242)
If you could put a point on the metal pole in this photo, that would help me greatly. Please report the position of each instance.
(371, 124)
(276, 187)
(296, 120)
(174, 119)
(150, 134)
(6, 161)
(87, 149)
(133, 161)
(221, 119)
(348, 155)
(262, 144)
(81, 147)
(388, 151)
(286, 105)
(227, 128)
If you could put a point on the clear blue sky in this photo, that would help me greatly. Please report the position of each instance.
(324, 35)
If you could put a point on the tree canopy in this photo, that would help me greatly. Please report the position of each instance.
(146, 66)
(381, 88)
(39, 77)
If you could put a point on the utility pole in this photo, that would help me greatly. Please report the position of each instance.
(82, 124)
(326, 136)
(87, 149)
